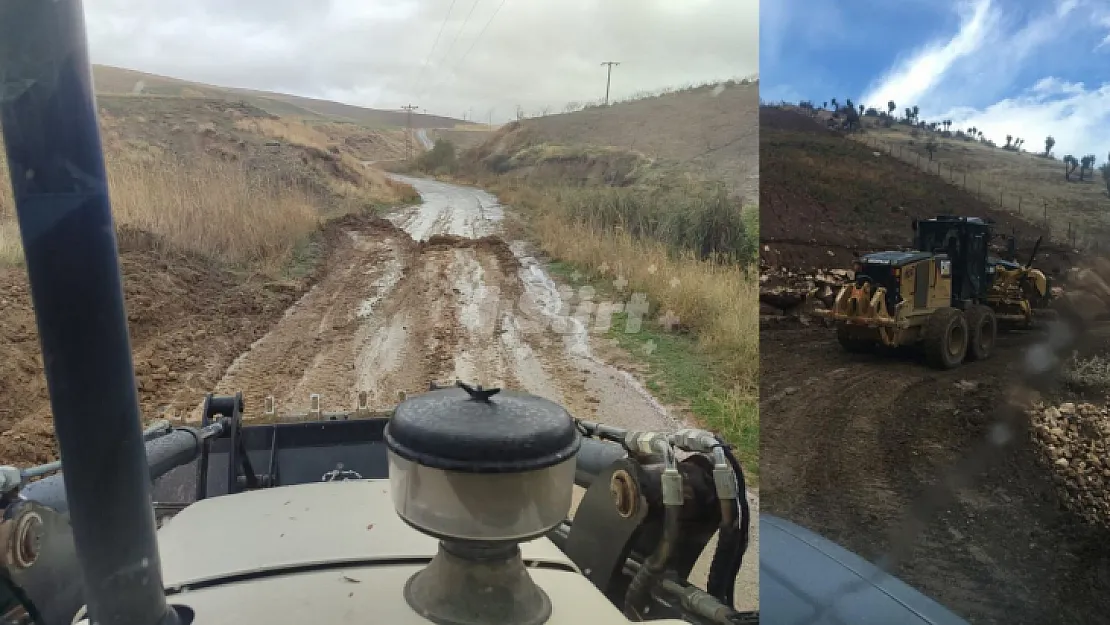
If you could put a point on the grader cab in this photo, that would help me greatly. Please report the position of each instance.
(936, 296)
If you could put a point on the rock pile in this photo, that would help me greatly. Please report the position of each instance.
(1075, 442)
(782, 291)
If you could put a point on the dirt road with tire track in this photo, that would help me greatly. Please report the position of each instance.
(432, 293)
(851, 441)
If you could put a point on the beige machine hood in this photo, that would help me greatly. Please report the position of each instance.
(299, 526)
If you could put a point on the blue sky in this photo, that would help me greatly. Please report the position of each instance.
(1024, 67)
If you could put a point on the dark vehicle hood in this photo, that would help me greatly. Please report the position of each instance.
(894, 258)
(801, 572)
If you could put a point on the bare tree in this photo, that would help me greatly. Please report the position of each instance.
(1049, 141)
(519, 112)
(1086, 163)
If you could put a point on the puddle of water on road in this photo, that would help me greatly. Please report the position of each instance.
(449, 209)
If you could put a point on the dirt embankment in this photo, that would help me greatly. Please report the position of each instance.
(188, 317)
(825, 198)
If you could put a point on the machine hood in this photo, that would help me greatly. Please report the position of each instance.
(297, 527)
(803, 577)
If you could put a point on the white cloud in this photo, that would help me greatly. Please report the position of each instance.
(970, 77)
(370, 53)
(1076, 116)
(914, 77)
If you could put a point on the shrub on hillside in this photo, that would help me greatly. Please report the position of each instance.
(700, 217)
(441, 159)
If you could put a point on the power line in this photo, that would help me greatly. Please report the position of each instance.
(442, 25)
(472, 45)
(458, 34)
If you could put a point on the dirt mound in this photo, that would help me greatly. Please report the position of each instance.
(366, 223)
(188, 316)
(490, 244)
(1074, 441)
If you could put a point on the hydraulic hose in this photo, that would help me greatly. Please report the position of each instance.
(732, 542)
(651, 573)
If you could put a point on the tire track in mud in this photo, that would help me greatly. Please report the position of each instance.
(433, 295)
(851, 442)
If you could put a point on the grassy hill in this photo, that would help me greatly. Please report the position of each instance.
(115, 80)
(826, 195)
(711, 131)
(1022, 181)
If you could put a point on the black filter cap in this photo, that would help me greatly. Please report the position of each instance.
(475, 430)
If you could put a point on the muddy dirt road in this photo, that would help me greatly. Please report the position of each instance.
(434, 294)
(849, 441)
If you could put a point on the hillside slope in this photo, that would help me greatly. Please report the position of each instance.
(117, 80)
(824, 197)
(711, 131)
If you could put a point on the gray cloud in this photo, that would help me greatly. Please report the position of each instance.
(535, 53)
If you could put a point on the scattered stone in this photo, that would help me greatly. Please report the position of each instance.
(1074, 441)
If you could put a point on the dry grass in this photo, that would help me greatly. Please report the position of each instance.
(202, 205)
(718, 302)
(717, 375)
(215, 208)
(1019, 182)
(295, 132)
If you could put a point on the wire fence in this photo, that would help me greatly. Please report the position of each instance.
(1038, 211)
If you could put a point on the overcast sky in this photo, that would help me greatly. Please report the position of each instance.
(373, 52)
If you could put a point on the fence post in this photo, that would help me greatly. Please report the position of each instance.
(1019, 205)
(965, 178)
(979, 193)
(1000, 192)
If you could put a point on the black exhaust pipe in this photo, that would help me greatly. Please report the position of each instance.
(49, 121)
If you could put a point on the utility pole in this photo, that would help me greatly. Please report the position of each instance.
(409, 108)
(608, 77)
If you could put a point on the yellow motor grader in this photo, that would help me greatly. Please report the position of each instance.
(948, 295)
(1019, 294)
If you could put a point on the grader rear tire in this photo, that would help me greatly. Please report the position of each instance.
(946, 338)
(983, 332)
(852, 344)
